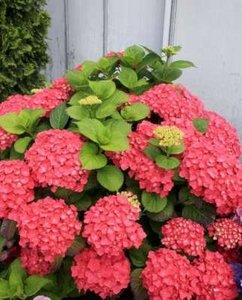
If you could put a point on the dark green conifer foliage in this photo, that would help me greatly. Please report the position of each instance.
(23, 32)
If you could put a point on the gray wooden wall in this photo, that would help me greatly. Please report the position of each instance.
(210, 32)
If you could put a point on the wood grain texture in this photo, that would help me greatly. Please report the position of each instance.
(210, 34)
(56, 39)
(135, 22)
(85, 30)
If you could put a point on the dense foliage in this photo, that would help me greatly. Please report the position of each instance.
(23, 27)
(116, 182)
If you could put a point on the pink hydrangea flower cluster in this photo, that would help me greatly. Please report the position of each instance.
(34, 261)
(214, 175)
(47, 229)
(219, 131)
(215, 280)
(150, 177)
(226, 232)
(168, 275)
(105, 275)
(54, 160)
(16, 187)
(62, 85)
(171, 101)
(111, 226)
(47, 99)
(184, 235)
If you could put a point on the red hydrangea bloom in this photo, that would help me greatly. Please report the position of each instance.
(6, 139)
(54, 160)
(170, 100)
(216, 280)
(219, 131)
(34, 262)
(150, 176)
(16, 187)
(111, 227)
(48, 99)
(62, 86)
(213, 174)
(49, 226)
(168, 275)
(184, 235)
(226, 232)
(105, 275)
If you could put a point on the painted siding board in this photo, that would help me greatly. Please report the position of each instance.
(134, 22)
(56, 50)
(85, 30)
(210, 34)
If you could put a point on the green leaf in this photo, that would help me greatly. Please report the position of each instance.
(111, 178)
(2, 243)
(164, 215)
(82, 202)
(138, 256)
(149, 60)
(118, 136)
(167, 163)
(77, 245)
(103, 88)
(181, 64)
(105, 109)
(76, 79)
(172, 74)
(16, 277)
(200, 211)
(136, 285)
(119, 97)
(128, 77)
(154, 142)
(90, 157)
(201, 124)
(106, 63)
(34, 284)
(5, 292)
(78, 96)
(78, 112)
(152, 152)
(133, 55)
(184, 194)
(153, 202)
(176, 149)
(88, 67)
(10, 123)
(58, 117)
(21, 144)
(93, 129)
(135, 112)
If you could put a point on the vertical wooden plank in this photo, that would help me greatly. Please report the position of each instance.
(135, 22)
(85, 30)
(56, 51)
(210, 34)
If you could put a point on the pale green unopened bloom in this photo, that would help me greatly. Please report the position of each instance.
(90, 100)
(168, 136)
(132, 198)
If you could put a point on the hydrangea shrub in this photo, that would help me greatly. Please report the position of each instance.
(116, 182)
